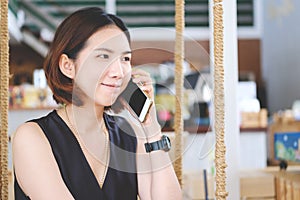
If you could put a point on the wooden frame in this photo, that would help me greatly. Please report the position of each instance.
(280, 125)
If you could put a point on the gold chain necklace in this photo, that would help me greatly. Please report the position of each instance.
(106, 146)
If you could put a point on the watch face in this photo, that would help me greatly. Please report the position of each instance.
(166, 142)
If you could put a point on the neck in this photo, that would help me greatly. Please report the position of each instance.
(86, 119)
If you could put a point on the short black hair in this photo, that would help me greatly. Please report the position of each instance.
(70, 38)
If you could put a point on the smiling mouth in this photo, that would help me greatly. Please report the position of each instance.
(111, 85)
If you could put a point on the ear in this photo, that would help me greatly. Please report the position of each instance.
(66, 66)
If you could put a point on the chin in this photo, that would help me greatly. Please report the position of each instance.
(106, 103)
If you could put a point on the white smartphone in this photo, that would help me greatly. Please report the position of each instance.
(139, 102)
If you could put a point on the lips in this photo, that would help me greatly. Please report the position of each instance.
(111, 85)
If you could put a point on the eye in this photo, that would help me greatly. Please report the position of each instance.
(126, 58)
(104, 56)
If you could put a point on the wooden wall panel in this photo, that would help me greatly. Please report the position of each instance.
(249, 54)
(22, 62)
(145, 52)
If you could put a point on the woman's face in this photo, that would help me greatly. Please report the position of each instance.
(103, 66)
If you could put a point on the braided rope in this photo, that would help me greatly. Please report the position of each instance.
(179, 55)
(4, 57)
(220, 148)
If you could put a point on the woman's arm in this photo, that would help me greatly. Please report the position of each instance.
(156, 176)
(35, 167)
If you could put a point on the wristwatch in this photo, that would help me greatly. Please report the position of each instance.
(163, 144)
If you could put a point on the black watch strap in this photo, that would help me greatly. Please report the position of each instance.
(163, 144)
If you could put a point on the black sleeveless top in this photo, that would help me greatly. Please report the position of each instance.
(121, 177)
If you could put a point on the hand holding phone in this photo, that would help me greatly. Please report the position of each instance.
(138, 101)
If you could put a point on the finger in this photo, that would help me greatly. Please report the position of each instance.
(148, 91)
(137, 71)
(142, 80)
(145, 84)
(141, 76)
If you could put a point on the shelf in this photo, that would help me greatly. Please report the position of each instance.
(205, 129)
(29, 109)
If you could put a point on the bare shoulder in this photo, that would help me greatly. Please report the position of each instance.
(29, 142)
(27, 134)
(34, 163)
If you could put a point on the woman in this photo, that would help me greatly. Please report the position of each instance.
(80, 151)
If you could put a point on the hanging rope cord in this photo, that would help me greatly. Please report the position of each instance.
(4, 97)
(220, 148)
(179, 56)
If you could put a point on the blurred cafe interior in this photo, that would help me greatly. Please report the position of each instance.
(265, 91)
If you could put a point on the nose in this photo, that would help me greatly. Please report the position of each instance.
(116, 70)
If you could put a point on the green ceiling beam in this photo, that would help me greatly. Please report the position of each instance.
(69, 3)
(40, 16)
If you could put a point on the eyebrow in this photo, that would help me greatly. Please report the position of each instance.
(111, 51)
